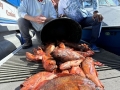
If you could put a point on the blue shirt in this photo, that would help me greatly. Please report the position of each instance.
(74, 9)
(35, 8)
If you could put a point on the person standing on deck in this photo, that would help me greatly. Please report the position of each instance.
(74, 9)
(33, 14)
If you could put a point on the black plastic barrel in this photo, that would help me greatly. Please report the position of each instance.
(61, 29)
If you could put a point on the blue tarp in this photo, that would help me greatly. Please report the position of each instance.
(15, 3)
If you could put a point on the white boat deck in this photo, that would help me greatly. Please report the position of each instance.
(111, 15)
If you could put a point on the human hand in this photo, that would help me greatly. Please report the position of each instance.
(62, 15)
(40, 19)
(97, 16)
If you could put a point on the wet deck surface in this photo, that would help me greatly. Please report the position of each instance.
(17, 69)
